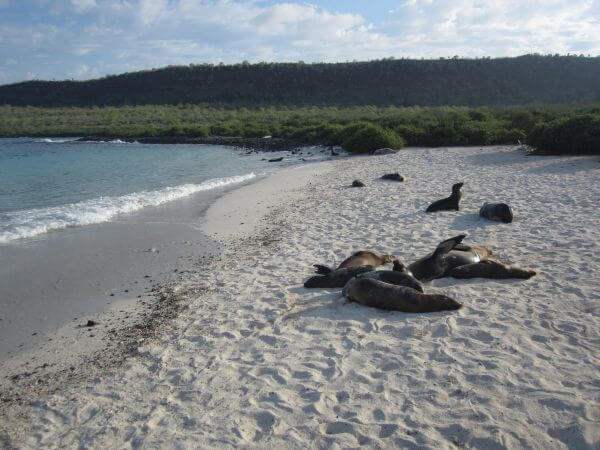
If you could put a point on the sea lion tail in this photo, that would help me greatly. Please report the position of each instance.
(449, 244)
(321, 269)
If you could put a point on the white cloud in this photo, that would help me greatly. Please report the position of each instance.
(79, 72)
(123, 35)
(151, 11)
(499, 28)
(83, 5)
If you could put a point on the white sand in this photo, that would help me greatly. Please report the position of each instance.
(261, 362)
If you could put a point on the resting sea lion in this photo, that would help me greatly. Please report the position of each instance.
(399, 276)
(490, 269)
(361, 258)
(448, 203)
(496, 211)
(393, 277)
(434, 265)
(379, 294)
(392, 176)
(442, 260)
(358, 183)
(463, 254)
(336, 278)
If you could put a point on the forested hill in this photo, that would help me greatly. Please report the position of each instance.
(472, 82)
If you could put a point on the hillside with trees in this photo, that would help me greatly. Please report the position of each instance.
(400, 82)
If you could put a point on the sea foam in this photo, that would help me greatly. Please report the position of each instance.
(32, 222)
(55, 141)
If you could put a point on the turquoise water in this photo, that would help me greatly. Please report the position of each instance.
(49, 184)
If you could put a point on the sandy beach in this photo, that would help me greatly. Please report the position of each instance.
(255, 360)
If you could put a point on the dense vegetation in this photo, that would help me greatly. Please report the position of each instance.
(558, 129)
(404, 82)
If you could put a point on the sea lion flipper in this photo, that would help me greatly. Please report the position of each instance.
(462, 247)
(449, 244)
(321, 269)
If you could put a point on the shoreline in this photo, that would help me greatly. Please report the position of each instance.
(128, 322)
(258, 360)
(119, 275)
(259, 144)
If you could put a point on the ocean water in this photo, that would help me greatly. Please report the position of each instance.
(52, 184)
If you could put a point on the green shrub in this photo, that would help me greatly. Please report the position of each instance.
(411, 133)
(368, 137)
(475, 133)
(572, 135)
(255, 130)
(511, 136)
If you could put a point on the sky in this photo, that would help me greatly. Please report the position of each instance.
(83, 39)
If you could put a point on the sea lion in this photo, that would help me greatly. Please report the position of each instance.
(379, 294)
(496, 211)
(448, 203)
(394, 277)
(434, 265)
(336, 278)
(358, 183)
(361, 258)
(463, 254)
(399, 276)
(490, 269)
(392, 176)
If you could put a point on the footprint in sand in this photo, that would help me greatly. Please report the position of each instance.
(342, 396)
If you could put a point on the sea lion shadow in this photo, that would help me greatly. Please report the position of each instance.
(302, 290)
(469, 221)
(446, 282)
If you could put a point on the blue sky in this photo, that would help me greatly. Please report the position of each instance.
(82, 39)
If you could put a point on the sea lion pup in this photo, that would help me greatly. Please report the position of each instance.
(435, 265)
(336, 278)
(448, 203)
(496, 211)
(361, 258)
(378, 294)
(490, 269)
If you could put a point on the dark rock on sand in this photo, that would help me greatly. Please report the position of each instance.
(384, 151)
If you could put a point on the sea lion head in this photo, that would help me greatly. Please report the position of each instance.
(443, 302)
(388, 259)
(457, 188)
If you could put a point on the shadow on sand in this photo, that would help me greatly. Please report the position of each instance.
(499, 158)
(471, 221)
(565, 165)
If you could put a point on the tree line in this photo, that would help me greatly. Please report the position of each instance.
(520, 80)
